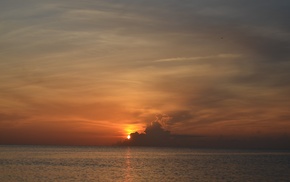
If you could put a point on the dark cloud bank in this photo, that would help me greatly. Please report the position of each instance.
(156, 136)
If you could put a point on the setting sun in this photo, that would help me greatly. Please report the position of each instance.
(128, 137)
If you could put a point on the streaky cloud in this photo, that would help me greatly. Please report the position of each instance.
(225, 56)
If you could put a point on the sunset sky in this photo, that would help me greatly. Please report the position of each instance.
(91, 72)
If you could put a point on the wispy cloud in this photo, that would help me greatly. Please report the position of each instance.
(224, 56)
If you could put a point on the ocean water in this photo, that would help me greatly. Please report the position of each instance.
(35, 163)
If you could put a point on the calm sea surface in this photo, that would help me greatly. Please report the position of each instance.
(34, 163)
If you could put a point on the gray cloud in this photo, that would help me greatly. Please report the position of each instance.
(156, 135)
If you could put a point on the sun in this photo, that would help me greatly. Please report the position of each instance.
(128, 137)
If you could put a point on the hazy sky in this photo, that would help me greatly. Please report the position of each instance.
(90, 72)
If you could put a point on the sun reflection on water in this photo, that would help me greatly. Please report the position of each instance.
(128, 176)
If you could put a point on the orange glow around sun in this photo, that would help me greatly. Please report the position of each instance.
(128, 129)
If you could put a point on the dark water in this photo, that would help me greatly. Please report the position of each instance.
(32, 163)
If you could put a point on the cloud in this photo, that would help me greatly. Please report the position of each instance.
(11, 118)
(224, 56)
(156, 135)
